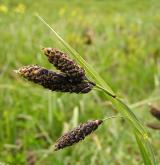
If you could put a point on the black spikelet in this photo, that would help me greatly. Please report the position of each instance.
(62, 62)
(155, 112)
(77, 134)
(83, 87)
(41, 75)
(54, 81)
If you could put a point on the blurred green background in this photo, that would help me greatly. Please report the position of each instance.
(120, 39)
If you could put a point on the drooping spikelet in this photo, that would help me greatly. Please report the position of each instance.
(155, 112)
(54, 81)
(77, 134)
(155, 126)
(62, 62)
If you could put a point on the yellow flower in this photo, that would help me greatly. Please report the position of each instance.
(3, 9)
(74, 13)
(20, 8)
(62, 12)
(145, 136)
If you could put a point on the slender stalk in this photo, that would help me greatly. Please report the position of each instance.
(143, 102)
(111, 117)
(100, 87)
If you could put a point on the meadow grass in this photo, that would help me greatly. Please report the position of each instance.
(124, 52)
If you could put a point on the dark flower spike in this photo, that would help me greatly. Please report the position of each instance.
(54, 81)
(155, 112)
(77, 134)
(63, 63)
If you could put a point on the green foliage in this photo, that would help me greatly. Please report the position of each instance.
(124, 52)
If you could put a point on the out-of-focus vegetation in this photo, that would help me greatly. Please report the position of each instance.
(119, 39)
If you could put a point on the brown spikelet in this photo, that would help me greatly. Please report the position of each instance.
(155, 112)
(31, 158)
(63, 63)
(154, 126)
(88, 36)
(41, 75)
(77, 134)
(54, 81)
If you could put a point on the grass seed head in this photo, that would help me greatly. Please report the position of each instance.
(41, 75)
(63, 63)
(54, 81)
(77, 134)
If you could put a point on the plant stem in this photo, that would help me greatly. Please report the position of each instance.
(111, 117)
(100, 87)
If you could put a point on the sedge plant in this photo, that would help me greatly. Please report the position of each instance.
(139, 131)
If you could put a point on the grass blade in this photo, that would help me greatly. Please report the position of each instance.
(142, 148)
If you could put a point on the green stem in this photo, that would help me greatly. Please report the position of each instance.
(143, 102)
(108, 93)
(111, 117)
